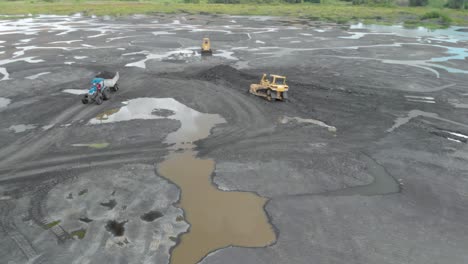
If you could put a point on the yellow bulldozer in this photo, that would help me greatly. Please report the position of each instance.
(206, 47)
(273, 87)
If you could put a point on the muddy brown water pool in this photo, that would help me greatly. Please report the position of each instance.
(217, 218)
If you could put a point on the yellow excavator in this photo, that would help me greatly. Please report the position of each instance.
(273, 87)
(206, 47)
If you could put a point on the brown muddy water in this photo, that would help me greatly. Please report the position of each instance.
(217, 218)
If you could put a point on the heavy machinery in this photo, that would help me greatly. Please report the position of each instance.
(101, 87)
(206, 47)
(273, 87)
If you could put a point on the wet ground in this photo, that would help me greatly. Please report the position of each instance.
(366, 163)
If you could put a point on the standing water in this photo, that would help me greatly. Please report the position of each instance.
(217, 218)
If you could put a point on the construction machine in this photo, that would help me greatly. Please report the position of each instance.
(101, 87)
(206, 47)
(273, 87)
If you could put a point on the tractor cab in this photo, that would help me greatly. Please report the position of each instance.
(96, 85)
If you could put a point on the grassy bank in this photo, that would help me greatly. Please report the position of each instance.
(339, 13)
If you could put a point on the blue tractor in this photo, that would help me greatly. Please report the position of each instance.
(101, 87)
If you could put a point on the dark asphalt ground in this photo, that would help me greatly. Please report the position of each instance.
(389, 186)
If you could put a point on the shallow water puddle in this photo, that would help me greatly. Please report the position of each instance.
(21, 128)
(179, 54)
(75, 91)
(420, 99)
(359, 35)
(416, 113)
(4, 72)
(457, 103)
(225, 54)
(217, 218)
(104, 115)
(287, 119)
(35, 76)
(452, 34)
(383, 182)
(4, 102)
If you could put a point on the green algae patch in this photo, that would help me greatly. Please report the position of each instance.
(80, 233)
(52, 224)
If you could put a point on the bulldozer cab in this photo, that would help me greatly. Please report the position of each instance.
(206, 44)
(264, 80)
(206, 47)
(278, 80)
(273, 80)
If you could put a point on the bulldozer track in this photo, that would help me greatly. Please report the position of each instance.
(37, 210)
(25, 175)
(10, 229)
(35, 142)
(83, 158)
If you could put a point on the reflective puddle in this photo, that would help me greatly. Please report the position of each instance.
(217, 218)
(75, 91)
(21, 128)
(287, 119)
(4, 102)
(175, 55)
(416, 113)
(451, 34)
(35, 76)
(383, 182)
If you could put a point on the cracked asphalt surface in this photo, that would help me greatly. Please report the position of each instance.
(388, 186)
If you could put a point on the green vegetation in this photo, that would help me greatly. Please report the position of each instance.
(98, 145)
(80, 234)
(459, 4)
(436, 15)
(437, 3)
(52, 224)
(369, 11)
(418, 2)
(105, 115)
(432, 19)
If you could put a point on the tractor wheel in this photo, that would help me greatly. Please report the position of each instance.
(98, 99)
(106, 95)
(115, 88)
